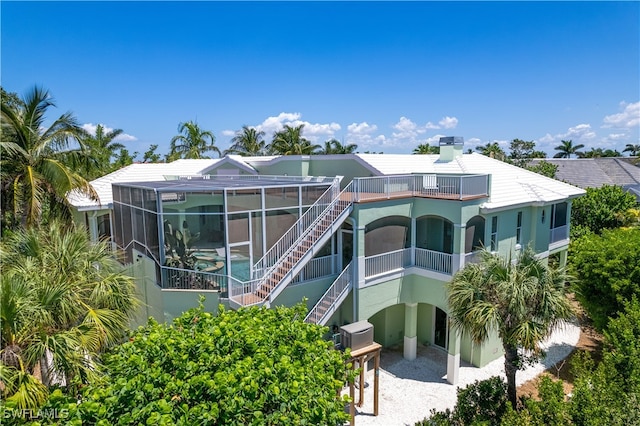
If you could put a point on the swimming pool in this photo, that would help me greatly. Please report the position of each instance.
(208, 262)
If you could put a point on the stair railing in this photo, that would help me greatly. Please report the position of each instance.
(316, 314)
(293, 234)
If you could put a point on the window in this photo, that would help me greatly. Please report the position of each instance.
(519, 229)
(494, 233)
(558, 215)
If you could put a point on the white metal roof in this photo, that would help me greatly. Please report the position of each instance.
(510, 185)
(136, 173)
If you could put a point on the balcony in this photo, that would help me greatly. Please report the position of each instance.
(449, 187)
(186, 279)
(398, 260)
(559, 234)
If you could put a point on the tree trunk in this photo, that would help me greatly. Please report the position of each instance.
(510, 368)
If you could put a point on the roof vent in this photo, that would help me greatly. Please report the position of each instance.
(450, 147)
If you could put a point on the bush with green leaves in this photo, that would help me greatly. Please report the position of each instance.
(253, 366)
(602, 208)
(482, 402)
(607, 271)
(549, 410)
(604, 394)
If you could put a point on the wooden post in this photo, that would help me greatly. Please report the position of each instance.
(363, 366)
(362, 356)
(352, 405)
(376, 381)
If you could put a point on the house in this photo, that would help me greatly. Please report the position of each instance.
(596, 172)
(360, 236)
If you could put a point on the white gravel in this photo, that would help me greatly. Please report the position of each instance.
(410, 389)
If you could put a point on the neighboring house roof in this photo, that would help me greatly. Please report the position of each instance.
(596, 172)
(510, 185)
(135, 173)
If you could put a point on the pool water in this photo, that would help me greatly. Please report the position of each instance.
(240, 267)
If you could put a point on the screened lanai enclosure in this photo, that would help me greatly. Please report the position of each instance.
(201, 231)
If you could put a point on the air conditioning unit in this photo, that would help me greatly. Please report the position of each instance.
(356, 335)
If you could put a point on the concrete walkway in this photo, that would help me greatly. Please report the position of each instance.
(410, 389)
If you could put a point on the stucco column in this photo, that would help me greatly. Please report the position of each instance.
(93, 225)
(563, 258)
(453, 357)
(410, 330)
(459, 246)
(358, 249)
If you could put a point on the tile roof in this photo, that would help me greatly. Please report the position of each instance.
(595, 172)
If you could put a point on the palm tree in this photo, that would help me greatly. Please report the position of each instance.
(492, 150)
(289, 141)
(633, 150)
(566, 149)
(248, 142)
(425, 148)
(103, 149)
(64, 298)
(334, 146)
(37, 161)
(192, 143)
(524, 301)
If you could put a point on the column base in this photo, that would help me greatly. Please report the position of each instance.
(453, 368)
(410, 347)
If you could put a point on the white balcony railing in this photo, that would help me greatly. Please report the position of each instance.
(454, 187)
(318, 267)
(433, 261)
(473, 257)
(387, 262)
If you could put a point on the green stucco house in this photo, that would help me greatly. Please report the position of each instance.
(359, 236)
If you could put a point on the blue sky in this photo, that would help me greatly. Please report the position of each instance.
(384, 75)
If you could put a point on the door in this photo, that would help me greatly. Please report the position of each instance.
(441, 331)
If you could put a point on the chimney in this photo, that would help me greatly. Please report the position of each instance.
(450, 147)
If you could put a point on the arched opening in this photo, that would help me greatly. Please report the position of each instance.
(434, 233)
(474, 237)
(386, 235)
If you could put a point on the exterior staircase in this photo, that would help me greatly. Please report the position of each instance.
(332, 298)
(295, 248)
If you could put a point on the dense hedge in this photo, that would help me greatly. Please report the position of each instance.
(252, 366)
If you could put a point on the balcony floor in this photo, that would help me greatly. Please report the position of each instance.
(368, 197)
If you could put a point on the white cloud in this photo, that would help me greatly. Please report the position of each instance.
(228, 133)
(317, 129)
(434, 140)
(405, 125)
(408, 134)
(581, 131)
(123, 137)
(363, 135)
(617, 136)
(273, 124)
(363, 128)
(628, 118)
(448, 122)
(546, 138)
(312, 131)
(472, 143)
